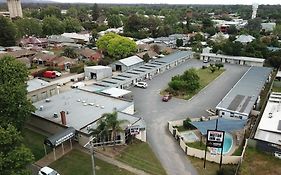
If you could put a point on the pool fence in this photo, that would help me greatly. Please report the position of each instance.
(227, 159)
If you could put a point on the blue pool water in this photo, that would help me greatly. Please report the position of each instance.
(227, 145)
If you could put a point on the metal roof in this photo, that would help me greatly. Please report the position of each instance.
(269, 127)
(36, 84)
(131, 60)
(245, 38)
(242, 97)
(115, 92)
(60, 137)
(252, 59)
(81, 107)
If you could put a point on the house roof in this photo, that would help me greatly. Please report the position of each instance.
(269, 128)
(35, 84)
(131, 60)
(242, 97)
(245, 38)
(77, 36)
(87, 52)
(73, 102)
(20, 53)
(44, 57)
(252, 59)
(33, 40)
(60, 39)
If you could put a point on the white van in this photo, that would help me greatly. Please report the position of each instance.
(78, 85)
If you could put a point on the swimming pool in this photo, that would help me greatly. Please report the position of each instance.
(227, 145)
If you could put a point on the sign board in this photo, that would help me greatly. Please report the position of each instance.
(215, 138)
(134, 130)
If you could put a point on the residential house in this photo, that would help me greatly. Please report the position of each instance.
(245, 39)
(20, 53)
(268, 27)
(34, 42)
(90, 54)
(77, 37)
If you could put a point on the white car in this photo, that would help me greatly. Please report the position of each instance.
(58, 74)
(78, 85)
(47, 171)
(141, 84)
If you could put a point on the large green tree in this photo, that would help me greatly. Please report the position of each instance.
(102, 42)
(15, 108)
(72, 25)
(69, 52)
(28, 27)
(121, 47)
(52, 26)
(95, 12)
(114, 21)
(14, 156)
(8, 32)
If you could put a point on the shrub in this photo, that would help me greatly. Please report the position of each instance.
(187, 124)
(90, 63)
(204, 67)
(77, 69)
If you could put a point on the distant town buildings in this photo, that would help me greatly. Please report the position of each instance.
(15, 9)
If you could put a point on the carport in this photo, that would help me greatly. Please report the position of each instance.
(59, 139)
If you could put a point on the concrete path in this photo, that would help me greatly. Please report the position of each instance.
(156, 113)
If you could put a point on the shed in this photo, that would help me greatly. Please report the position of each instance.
(98, 72)
(60, 137)
(127, 63)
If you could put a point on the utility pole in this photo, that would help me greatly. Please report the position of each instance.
(92, 156)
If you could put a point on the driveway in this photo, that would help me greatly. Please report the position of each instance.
(156, 113)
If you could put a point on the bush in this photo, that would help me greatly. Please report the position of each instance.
(204, 67)
(187, 124)
(77, 69)
(90, 63)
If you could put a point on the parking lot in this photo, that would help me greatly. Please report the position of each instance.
(156, 113)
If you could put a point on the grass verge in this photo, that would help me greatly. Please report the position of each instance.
(139, 155)
(197, 145)
(259, 163)
(77, 162)
(34, 142)
(211, 168)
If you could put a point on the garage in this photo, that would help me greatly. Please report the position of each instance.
(98, 72)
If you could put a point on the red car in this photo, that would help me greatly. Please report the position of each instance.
(167, 97)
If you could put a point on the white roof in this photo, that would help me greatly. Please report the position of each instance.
(85, 37)
(98, 67)
(115, 92)
(269, 128)
(131, 60)
(245, 38)
(35, 84)
(252, 59)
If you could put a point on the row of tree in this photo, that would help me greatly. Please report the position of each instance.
(15, 109)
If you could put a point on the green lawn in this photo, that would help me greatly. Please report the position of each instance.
(211, 168)
(197, 145)
(139, 155)
(34, 141)
(79, 163)
(259, 163)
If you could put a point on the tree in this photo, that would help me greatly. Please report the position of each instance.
(50, 11)
(14, 155)
(94, 34)
(179, 42)
(72, 25)
(52, 26)
(95, 12)
(219, 65)
(8, 32)
(254, 24)
(121, 47)
(146, 57)
(72, 12)
(156, 48)
(114, 21)
(15, 108)
(28, 27)
(69, 52)
(212, 68)
(232, 30)
(114, 125)
(277, 30)
(101, 132)
(102, 42)
(207, 22)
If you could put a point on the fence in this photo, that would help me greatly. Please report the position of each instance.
(200, 153)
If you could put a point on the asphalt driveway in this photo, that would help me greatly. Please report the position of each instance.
(156, 113)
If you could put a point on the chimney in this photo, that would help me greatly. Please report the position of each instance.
(63, 117)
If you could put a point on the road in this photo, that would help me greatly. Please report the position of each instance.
(156, 113)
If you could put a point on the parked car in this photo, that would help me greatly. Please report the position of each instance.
(49, 74)
(141, 84)
(78, 85)
(58, 74)
(277, 154)
(166, 97)
(47, 171)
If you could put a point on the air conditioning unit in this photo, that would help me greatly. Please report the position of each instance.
(89, 127)
(41, 108)
(47, 100)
